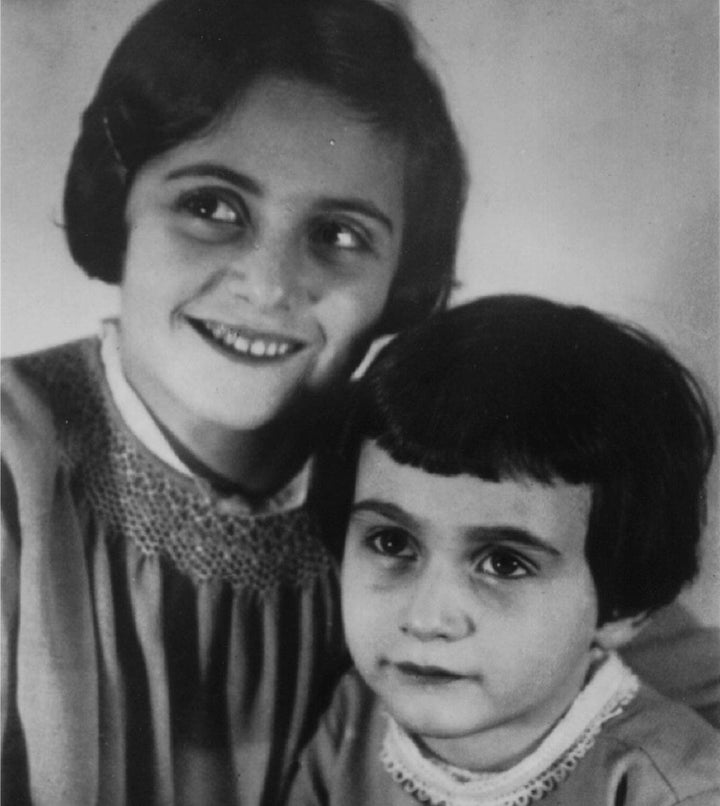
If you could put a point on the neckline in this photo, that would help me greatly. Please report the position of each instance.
(143, 427)
(611, 687)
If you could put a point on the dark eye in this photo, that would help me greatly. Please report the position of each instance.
(212, 206)
(504, 564)
(391, 543)
(339, 236)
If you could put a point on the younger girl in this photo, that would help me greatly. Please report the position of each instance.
(529, 489)
(272, 184)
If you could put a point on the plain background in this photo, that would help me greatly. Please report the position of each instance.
(591, 132)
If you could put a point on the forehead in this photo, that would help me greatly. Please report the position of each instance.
(454, 505)
(301, 135)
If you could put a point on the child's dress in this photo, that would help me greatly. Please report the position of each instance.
(162, 644)
(619, 744)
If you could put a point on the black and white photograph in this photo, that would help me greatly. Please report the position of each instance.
(360, 399)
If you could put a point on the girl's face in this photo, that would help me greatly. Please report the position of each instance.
(469, 606)
(259, 259)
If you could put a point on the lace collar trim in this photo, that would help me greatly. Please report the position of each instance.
(610, 689)
(138, 420)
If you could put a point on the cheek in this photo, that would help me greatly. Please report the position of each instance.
(367, 635)
(362, 609)
(143, 274)
(349, 321)
(351, 612)
(355, 307)
(159, 276)
(564, 627)
(155, 247)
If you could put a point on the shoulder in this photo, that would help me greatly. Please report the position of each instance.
(340, 765)
(680, 657)
(662, 746)
(50, 379)
(54, 366)
(42, 395)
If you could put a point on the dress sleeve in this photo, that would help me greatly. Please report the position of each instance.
(46, 637)
(19, 407)
(13, 755)
(680, 657)
(9, 555)
(13, 773)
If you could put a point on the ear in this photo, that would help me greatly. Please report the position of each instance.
(617, 633)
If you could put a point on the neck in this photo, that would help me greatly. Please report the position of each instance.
(255, 463)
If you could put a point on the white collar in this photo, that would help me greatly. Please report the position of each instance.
(610, 689)
(138, 419)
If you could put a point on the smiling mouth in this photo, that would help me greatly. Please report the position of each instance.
(243, 343)
(427, 675)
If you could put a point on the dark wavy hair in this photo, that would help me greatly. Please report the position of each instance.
(185, 63)
(510, 387)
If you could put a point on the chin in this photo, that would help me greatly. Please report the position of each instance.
(439, 724)
(247, 422)
(235, 410)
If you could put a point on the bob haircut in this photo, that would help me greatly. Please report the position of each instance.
(184, 64)
(517, 387)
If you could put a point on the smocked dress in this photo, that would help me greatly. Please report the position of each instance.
(161, 643)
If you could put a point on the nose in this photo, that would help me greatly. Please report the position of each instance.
(267, 274)
(436, 608)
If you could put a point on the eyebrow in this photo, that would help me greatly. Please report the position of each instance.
(477, 534)
(512, 534)
(388, 510)
(243, 181)
(355, 205)
(215, 171)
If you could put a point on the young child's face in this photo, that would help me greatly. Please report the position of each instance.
(259, 258)
(469, 606)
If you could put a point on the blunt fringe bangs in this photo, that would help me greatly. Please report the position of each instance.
(513, 387)
(185, 63)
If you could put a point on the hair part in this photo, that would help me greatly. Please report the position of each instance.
(185, 64)
(511, 387)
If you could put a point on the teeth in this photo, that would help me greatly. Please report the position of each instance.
(256, 347)
(216, 329)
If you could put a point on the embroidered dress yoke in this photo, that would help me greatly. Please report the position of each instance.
(162, 644)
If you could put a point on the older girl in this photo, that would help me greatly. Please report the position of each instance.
(272, 184)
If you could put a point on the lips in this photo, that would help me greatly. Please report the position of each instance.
(246, 343)
(427, 675)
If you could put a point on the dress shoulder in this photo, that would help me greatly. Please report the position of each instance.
(42, 398)
(662, 745)
(341, 764)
